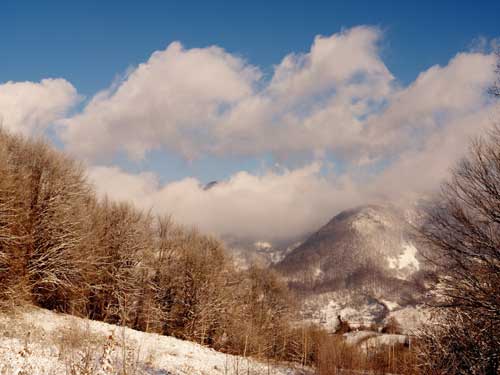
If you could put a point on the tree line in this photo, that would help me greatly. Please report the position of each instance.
(63, 249)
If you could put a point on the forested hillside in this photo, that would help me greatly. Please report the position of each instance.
(63, 249)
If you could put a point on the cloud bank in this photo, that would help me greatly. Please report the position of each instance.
(271, 206)
(206, 101)
(358, 134)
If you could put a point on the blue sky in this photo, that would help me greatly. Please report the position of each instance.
(90, 42)
(380, 106)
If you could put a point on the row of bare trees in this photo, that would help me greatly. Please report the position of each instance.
(42, 227)
(463, 233)
(63, 249)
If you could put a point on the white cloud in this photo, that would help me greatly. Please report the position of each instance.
(281, 205)
(332, 61)
(30, 107)
(338, 98)
(206, 101)
(315, 102)
(170, 101)
(271, 206)
(420, 170)
(437, 101)
(121, 186)
(337, 102)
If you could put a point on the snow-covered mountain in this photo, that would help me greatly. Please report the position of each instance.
(260, 253)
(366, 242)
(364, 263)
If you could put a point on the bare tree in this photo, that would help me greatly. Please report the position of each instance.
(10, 234)
(463, 230)
(44, 194)
(122, 243)
(193, 282)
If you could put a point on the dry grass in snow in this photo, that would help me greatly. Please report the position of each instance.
(37, 341)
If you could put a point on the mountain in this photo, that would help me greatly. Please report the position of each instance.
(365, 262)
(371, 241)
(210, 185)
(260, 253)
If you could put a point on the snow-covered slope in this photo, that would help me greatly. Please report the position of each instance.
(37, 341)
(354, 245)
(362, 265)
(260, 253)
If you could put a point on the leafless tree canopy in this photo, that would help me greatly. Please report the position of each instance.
(463, 230)
(62, 248)
(42, 226)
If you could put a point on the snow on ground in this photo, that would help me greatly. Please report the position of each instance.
(37, 341)
(385, 339)
(370, 340)
(408, 259)
(356, 337)
(410, 319)
(390, 304)
(263, 245)
(323, 309)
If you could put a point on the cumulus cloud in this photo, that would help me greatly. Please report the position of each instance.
(118, 185)
(315, 101)
(335, 104)
(338, 99)
(289, 203)
(171, 101)
(206, 101)
(275, 205)
(420, 170)
(332, 61)
(436, 101)
(30, 107)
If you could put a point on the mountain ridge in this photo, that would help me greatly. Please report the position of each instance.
(363, 263)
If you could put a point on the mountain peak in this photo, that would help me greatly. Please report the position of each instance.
(364, 242)
(366, 256)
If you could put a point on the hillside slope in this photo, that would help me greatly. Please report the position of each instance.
(363, 264)
(42, 342)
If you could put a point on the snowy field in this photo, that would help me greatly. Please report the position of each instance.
(358, 310)
(37, 341)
